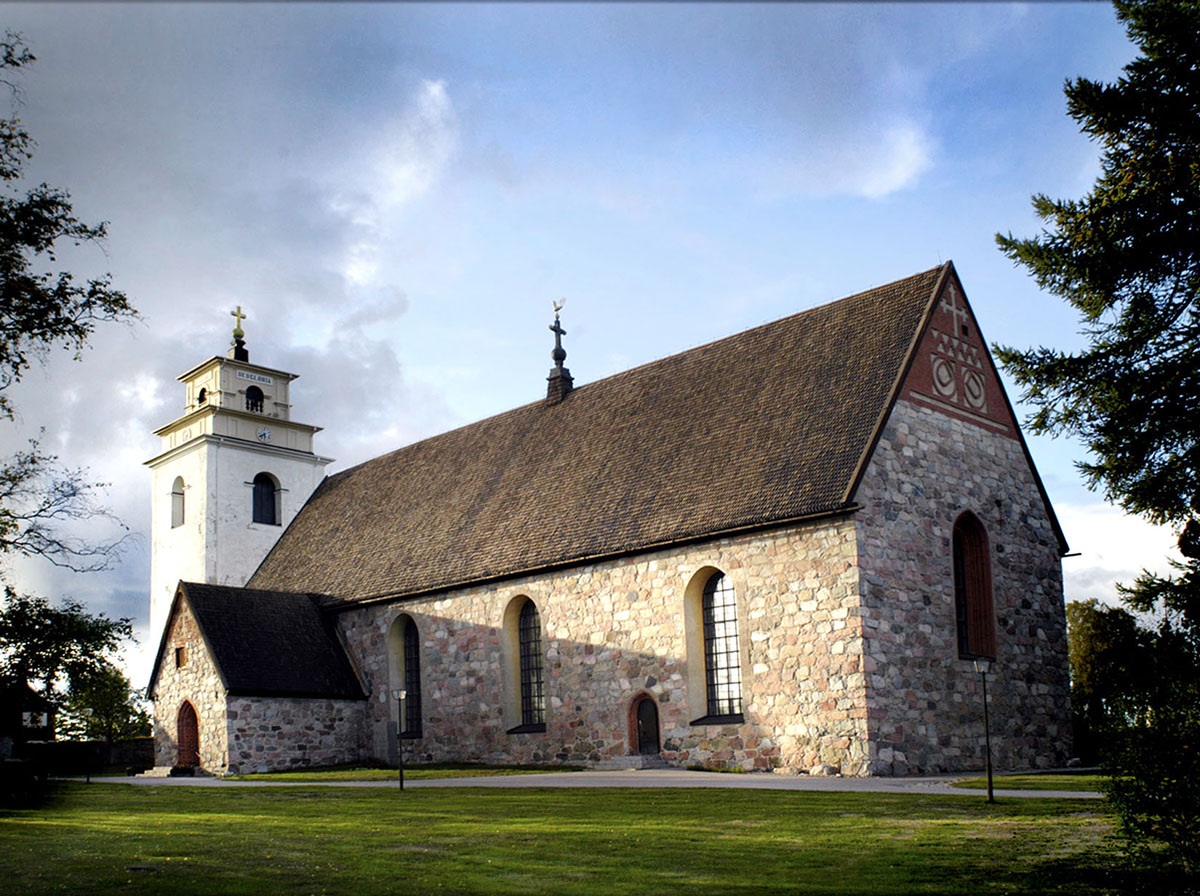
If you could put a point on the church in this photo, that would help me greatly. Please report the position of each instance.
(787, 550)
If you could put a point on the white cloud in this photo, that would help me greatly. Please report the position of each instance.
(415, 151)
(1113, 546)
(872, 162)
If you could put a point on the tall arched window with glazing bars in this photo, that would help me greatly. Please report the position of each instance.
(722, 656)
(412, 680)
(533, 695)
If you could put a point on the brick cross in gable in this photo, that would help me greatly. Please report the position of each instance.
(954, 309)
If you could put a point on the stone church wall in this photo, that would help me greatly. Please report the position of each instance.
(617, 629)
(196, 681)
(925, 702)
(269, 734)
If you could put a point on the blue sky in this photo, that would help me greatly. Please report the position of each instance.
(396, 192)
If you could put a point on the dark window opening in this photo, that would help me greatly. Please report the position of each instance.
(533, 698)
(722, 659)
(177, 508)
(412, 682)
(266, 500)
(202, 397)
(180, 657)
(974, 612)
(254, 399)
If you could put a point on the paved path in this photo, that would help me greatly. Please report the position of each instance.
(642, 778)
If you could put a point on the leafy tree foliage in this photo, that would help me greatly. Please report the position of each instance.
(37, 495)
(103, 706)
(40, 309)
(1127, 256)
(1110, 677)
(47, 644)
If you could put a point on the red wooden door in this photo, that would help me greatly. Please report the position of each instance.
(189, 736)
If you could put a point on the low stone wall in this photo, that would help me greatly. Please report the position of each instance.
(270, 734)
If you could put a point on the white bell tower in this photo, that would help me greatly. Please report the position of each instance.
(233, 472)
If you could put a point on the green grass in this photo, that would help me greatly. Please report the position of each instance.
(412, 772)
(113, 838)
(1048, 781)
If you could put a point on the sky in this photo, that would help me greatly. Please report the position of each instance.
(395, 194)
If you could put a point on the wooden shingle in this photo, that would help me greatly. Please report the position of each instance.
(762, 427)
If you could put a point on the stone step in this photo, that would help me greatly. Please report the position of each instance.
(621, 763)
(164, 771)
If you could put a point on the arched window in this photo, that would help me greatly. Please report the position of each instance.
(266, 499)
(177, 503)
(202, 396)
(533, 697)
(254, 399)
(722, 656)
(405, 668)
(973, 608)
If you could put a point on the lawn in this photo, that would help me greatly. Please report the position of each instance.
(1048, 781)
(110, 838)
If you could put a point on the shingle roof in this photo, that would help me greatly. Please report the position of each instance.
(764, 426)
(270, 643)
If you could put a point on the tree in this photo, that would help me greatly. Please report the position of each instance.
(47, 644)
(41, 309)
(1107, 649)
(38, 494)
(103, 706)
(1127, 256)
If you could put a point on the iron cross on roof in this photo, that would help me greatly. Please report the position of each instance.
(559, 354)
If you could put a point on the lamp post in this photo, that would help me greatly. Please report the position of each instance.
(87, 736)
(983, 667)
(400, 694)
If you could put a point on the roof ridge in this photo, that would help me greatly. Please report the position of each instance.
(620, 374)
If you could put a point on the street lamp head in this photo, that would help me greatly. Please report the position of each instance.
(983, 666)
(399, 693)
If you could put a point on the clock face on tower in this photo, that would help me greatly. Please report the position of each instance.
(264, 434)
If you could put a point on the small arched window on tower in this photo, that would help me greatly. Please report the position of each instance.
(202, 396)
(266, 499)
(254, 399)
(177, 503)
(973, 608)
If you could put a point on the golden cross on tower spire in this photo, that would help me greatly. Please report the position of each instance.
(238, 333)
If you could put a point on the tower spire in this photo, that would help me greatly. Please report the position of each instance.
(559, 383)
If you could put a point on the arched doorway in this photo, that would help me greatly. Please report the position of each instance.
(645, 719)
(188, 732)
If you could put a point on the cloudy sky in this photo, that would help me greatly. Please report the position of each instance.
(396, 192)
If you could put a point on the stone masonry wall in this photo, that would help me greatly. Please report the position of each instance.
(196, 681)
(616, 629)
(269, 734)
(925, 702)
